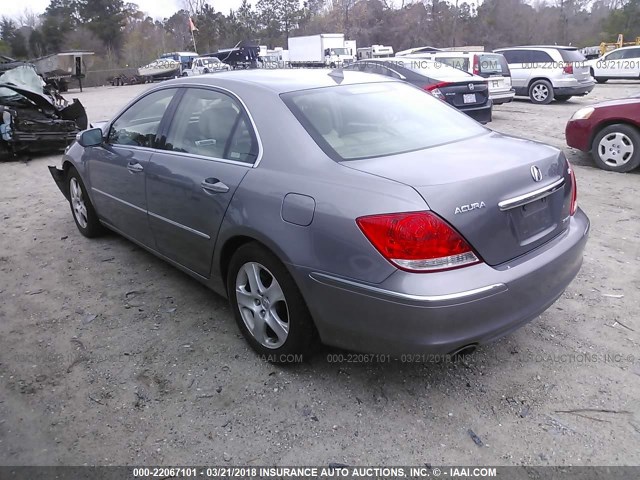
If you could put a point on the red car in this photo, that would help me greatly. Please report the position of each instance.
(610, 131)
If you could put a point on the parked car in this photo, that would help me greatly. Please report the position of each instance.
(204, 65)
(492, 66)
(544, 73)
(610, 131)
(388, 221)
(464, 91)
(621, 63)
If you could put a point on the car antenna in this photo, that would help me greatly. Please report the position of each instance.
(337, 74)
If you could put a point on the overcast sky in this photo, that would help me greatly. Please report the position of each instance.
(155, 8)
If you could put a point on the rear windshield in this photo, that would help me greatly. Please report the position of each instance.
(492, 64)
(353, 122)
(461, 63)
(571, 55)
(429, 68)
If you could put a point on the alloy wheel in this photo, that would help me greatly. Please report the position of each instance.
(262, 305)
(77, 202)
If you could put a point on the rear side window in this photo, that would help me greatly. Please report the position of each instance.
(138, 125)
(537, 56)
(632, 53)
(352, 122)
(572, 56)
(515, 56)
(212, 124)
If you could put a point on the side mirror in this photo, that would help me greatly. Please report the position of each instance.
(90, 138)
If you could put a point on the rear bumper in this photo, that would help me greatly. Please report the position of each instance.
(441, 312)
(480, 114)
(502, 97)
(577, 90)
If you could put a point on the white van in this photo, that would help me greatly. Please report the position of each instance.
(492, 66)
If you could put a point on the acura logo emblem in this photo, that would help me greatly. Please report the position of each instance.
(472, 86)
(536, 173)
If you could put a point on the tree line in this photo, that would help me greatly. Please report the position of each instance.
(123, 36)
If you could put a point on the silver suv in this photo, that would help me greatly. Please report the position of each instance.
(545, 73)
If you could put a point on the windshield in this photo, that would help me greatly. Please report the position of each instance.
(352, 122)
(340, 51)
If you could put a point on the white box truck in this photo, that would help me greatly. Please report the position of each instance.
(324, 49)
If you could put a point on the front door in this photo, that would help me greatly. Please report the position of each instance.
(117, 168)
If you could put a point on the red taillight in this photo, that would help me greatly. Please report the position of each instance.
(476, 65)
(434, 89)
(568, 69)
(574, 190)
(417, 241)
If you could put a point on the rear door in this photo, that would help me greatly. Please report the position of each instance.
(208, 147)
(631, 62)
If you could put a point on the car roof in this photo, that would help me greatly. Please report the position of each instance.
(623, 48)
(555, 47)
(282, 81)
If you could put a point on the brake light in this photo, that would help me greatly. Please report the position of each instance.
(476, 65)
(568, 69)
(574, 190)
(434, 89)
(417, 241)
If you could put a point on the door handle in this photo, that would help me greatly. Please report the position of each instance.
(135, 167)
(213, 185)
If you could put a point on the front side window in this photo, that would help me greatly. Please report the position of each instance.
(616, 55)
(351, 122)
(212, 124)
(138, 125)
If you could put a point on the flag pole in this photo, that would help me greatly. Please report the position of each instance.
(192, 29)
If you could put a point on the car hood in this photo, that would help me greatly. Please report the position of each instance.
(617, 103)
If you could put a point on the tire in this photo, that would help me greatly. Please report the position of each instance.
(563, 98)
(81, 207)
(205, 71)
(541, 92)
(616, 148)
(259, 307)
(601, 79)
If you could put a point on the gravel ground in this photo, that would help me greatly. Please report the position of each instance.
(109, 356)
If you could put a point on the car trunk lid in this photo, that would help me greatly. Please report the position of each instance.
(485, 188)
(465, 94)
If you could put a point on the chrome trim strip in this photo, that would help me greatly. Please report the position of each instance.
(118, 200)
(489, 289)
(179, 225)
(531, 196)
(154, 215)
(202, 157)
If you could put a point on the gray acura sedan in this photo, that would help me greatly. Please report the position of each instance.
(347, 206)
